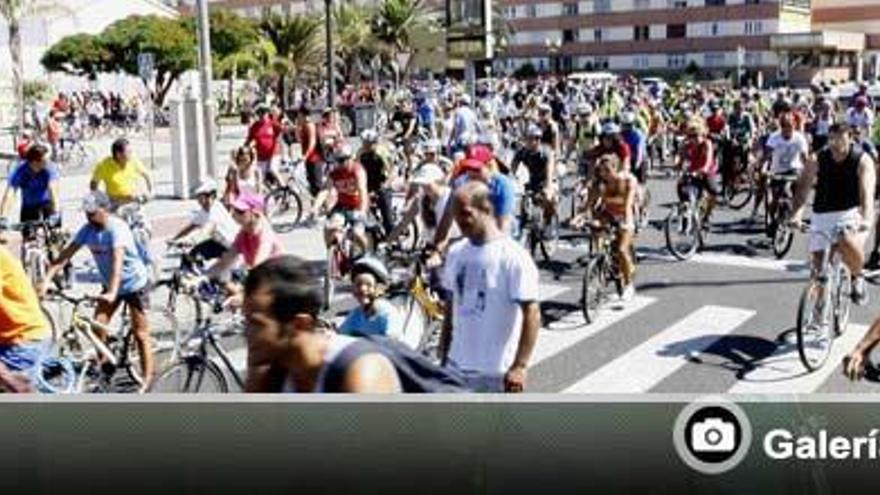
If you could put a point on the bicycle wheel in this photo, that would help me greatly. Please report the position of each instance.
(331, 273)
(682, 233)
(842, 301)
(739, 192)
(813, 329)
(593, 290)
(171, 313)
(53, 326)
(548, 241)
(283, 209)
(192, 375)
(782, 239)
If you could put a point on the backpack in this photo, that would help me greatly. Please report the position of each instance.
(417, 373)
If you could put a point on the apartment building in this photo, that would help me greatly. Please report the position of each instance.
(857, 16)
(255, 8)
(649, 35)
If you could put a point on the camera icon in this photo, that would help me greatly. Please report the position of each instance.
(713, 435)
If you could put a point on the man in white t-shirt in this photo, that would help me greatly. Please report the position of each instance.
(492, 323)
(212, 219)
(860, 115)
(787, 151)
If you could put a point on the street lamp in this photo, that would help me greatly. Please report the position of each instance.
(553, 46)
(331, 90)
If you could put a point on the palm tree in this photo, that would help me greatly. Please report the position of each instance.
(353, 38)
(297, 45)
(396, 23)
(14, 12)
(255, 59)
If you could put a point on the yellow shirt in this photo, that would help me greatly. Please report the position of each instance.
(21, 319)
(120, 182)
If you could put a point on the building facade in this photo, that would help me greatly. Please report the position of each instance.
(858, 16)
(656, 36)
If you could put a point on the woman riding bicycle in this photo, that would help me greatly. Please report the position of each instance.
(699, 154)
(613, 204)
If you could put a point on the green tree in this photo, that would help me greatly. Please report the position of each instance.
(396, 22)
(78, 55)
(353, 38)
(296, 43)
(253, 61)
(14, 12)
(172, 44)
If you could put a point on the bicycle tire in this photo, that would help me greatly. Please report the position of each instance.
(549, 245)
(739, 193)
(188, 377)
(283, 209)
(806, 308)
(842, 301)
(592, 290)
(674, 222)
(783, 237)
(172, 311)
(53, 326)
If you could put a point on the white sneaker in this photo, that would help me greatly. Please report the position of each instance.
(628, 293)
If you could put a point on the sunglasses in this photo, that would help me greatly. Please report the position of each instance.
(236, 211)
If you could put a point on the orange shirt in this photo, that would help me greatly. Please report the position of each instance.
(21, 318)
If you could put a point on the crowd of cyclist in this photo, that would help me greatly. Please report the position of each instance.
(462, 164)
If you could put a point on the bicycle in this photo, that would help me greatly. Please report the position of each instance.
(96, 362)
(739, 185)
(685, 226)
(532, 232)
(73, 153)
(340, 255)
(194, 370)
(133, 215)
(826, 296)
(376, 231)
(601, 267)
(176, 295)
(781, 234)
(423, 307)
(284, 203)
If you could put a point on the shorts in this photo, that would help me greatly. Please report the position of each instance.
(315, 177)
(33, 214)
(138, 300)
(823, 225)
(712, 185)
(341, 217)
(23, 357)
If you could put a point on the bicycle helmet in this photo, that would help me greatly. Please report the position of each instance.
(373, 266)
(209, 186)
(610, 129)
(343, 152)
(370, 136)
(584, 109)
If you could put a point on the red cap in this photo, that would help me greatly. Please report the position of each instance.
(471, 164)
(480, 153)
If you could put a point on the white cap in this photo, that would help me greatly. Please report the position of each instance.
(208, 186)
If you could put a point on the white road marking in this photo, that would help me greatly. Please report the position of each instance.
(738, 261)
(549, 291)
(571, 328)
(783, 372)
(658, 357)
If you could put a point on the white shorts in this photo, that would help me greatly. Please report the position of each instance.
(823, 225)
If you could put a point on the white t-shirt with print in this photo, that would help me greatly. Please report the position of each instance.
(787, 153)
(487, 284)
(224, 228)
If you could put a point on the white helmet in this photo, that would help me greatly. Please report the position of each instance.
(628, 118)
(208, 186)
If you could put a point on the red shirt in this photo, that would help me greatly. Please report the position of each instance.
(345, 181)
(315, 155)
(701, 158)
(265, 135)
(716, 123)
(22, 147)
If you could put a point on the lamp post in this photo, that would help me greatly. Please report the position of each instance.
(553, 46)
(208, 109)
(331, 90)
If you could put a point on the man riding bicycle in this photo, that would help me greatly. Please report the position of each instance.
(349, 180)
(844, 178)
(375, 162)
(787, 151)
(121, 173)
(698, 153)
(212, 219)
(539, 160)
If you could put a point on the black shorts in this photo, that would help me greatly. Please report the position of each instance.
(33, 214)
(315, 177)
(138, 300)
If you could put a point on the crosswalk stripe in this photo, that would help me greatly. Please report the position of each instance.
(556, 338)
(658, 357)
(783, 372)
(549, 291)
(734, 260)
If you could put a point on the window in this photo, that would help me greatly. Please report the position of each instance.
(602, 6)
(714, 59)
(716, 3)
(714, 29)
(754, 27)
(570, 9)
(510, 12)
(674, 31)
(569, 35)
(600, 63)
(642, 5)
(532, 10)
(675, 61)
(753, 2)
(677, 4)
(641, 61)
(753, 58)
(641, 33)
(597, 35)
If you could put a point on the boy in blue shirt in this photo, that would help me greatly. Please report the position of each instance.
(375, 315)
